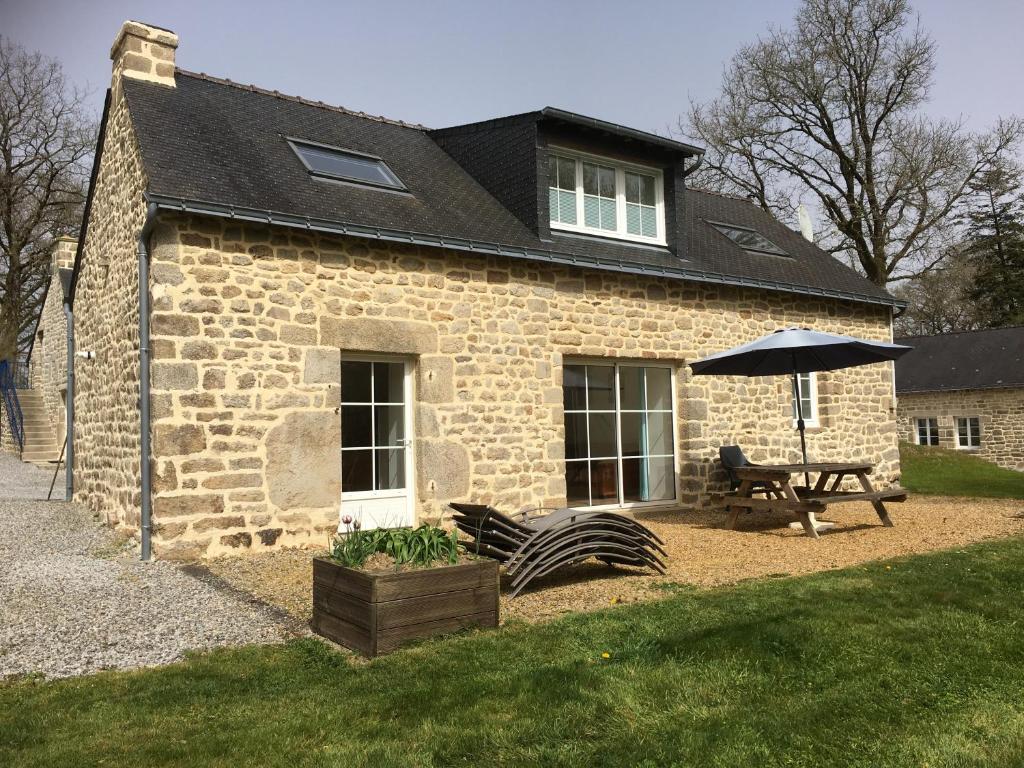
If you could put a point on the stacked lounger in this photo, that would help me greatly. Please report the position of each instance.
(531, 547)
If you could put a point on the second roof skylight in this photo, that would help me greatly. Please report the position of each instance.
(344, 165)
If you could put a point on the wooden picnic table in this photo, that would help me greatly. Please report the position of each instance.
(780, 495)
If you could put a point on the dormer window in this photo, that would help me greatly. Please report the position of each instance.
(604, 197)
(329, 162)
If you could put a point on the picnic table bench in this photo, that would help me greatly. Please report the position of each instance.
(780, 495)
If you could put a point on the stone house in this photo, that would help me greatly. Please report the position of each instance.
(965, 391)
(43, 402)
(342, 311)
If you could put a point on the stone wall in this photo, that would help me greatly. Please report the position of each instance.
(106, 308)
(49, 365)
(1000, 413)
(249, 323)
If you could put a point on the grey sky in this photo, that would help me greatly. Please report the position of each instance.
(449, 61)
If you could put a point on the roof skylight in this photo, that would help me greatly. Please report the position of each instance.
(749, 239)
(334, 163)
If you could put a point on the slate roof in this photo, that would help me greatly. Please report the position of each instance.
(217, 147)
(991, 359)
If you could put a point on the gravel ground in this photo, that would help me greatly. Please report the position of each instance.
(701, 554)
(74, 598)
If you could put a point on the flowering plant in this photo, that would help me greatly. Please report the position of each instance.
(422, 546)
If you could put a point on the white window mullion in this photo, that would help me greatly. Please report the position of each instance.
(579, 193)
(620, 201)
(618, 438)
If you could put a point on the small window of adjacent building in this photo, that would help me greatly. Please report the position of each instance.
(749, 240)
(968, 432)
(928, 431)
(604, 197)
(334, 163)
(807, 384)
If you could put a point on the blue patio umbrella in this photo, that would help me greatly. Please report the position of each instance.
(794, 351)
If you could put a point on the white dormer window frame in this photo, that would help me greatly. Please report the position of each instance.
(620, 169)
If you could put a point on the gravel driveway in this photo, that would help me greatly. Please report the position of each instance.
(75, 599)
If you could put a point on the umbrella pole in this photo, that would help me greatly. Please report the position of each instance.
(800, 420)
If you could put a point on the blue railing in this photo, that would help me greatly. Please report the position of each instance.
(9, 394)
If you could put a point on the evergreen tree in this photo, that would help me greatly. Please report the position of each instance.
(994, 219)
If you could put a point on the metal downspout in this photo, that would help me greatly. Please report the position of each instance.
(144, 414)
(69, 406)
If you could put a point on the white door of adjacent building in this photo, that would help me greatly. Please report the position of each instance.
(376, 442)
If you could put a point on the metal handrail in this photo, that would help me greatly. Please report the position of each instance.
(9, 394)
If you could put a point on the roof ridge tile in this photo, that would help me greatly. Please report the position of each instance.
(252, 88)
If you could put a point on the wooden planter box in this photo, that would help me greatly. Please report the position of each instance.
(375, 613)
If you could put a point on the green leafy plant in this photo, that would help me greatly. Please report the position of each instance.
(421, 546)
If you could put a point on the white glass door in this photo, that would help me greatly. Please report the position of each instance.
(376, 442)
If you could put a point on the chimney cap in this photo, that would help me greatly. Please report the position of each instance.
(147, 32)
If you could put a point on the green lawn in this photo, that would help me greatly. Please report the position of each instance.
(945, 472)
(913, 662)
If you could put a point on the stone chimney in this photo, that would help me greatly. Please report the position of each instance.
(63, 254)
(145, 53)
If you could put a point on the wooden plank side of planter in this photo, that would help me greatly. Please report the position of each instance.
(344, 606)
(390, 639)
(343, 632)
(425, 608)
(452, 578)
(342, 579)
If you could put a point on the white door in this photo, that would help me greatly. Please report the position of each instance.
(376, 442)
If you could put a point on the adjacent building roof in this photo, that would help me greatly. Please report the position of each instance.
(991, 359)
(219, 148)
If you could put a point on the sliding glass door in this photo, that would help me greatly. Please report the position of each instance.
(619, 434)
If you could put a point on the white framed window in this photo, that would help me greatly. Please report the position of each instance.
(807, 385)
(619, 434)
(600, 196)
(968, 432)
(927, 431)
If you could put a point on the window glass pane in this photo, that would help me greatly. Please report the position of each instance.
(355, 382)
(607, 211)
(355, 426)
(659, 433)
(632, 188)
(575, 436)
(567, 207)
(601, 388)
(602, 434)
(356, 471)
(634, 223)
(634, 479)
(647, 190)
(577, 483)
(749, 240)
(338, 163)
(388, 382)
(566, 174)
(659, 389)
(631, 388)
(591, 212)
(390, 426)
(604, 481)
(574, 387)
(634, 434)
(661, 479)
(390, 469)
(806, 387)
(648, 222)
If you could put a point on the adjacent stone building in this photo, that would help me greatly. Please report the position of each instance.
(965, 391)
(350, 312)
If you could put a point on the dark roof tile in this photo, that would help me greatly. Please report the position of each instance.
(969, 360)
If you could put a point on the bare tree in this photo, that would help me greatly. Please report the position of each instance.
(940, 300)
(830, 108)
(46, 138)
